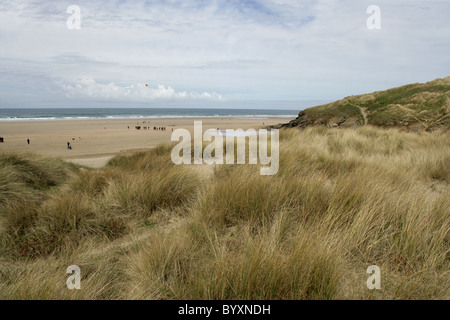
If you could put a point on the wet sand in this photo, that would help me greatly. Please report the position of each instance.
(94, 142)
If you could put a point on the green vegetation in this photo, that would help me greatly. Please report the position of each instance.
(142, 228)
(413, 107)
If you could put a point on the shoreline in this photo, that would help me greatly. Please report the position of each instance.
(256, 117)
(95, 141)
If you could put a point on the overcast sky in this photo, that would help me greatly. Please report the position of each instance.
(211, 53)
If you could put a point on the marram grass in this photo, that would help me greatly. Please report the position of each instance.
(142, 228)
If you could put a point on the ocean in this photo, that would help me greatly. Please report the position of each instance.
(135, 113)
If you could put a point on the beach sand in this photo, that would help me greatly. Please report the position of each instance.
(94, 142)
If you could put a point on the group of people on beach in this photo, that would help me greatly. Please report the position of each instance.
(2, 140)
(148, 128)
(69, 145)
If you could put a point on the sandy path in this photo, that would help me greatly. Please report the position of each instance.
(94, 162)
(364, 114)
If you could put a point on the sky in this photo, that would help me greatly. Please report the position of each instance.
(215, 53)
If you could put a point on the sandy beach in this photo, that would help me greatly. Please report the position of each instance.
(94, 142)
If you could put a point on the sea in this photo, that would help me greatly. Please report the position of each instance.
(39, 114)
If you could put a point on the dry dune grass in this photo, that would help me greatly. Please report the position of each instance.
(142, 228)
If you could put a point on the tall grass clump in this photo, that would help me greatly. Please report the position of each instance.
(25, 177)
(157, 158)
(244, 195)
(61, 223)
(26, 180)
(149, 181)
(243, 265)
(143, 193)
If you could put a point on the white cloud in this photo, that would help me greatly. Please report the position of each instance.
(262, 49)
(90, 89)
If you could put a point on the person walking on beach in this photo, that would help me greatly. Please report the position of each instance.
(28, 141)
(69, 146)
